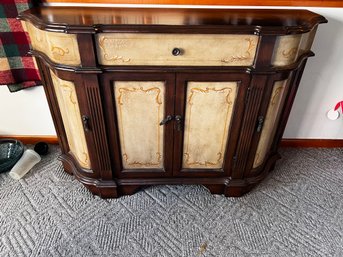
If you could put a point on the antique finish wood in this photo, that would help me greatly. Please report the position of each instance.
(196, 50)
(60, 48)
(68, 104)
(170, 96)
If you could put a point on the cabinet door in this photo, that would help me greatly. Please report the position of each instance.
(136, 105)
(68, 102)
(276, 103)
(209, 107)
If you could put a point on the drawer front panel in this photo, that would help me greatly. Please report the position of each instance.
(209, 109)
(156, 49)
(140, 108)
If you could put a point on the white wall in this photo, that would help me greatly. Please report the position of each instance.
(322, 84)
(27, 113)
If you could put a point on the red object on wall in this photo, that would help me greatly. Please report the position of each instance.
(339, 105)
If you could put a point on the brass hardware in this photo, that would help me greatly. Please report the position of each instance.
(166, 120)
(179, 124)
(85, 122)
(260, 122)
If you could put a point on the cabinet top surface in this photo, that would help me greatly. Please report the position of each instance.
(90, 19)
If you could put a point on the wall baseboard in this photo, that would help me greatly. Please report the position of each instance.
(325, 143)
(316, 143)
(33, 139)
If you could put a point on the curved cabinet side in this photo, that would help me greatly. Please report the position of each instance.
(70, 111)
(271, 120)
(60, 48)
(288, 48)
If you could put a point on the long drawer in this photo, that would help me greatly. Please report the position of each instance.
(176, 49)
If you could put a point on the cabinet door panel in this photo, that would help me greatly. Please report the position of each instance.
(136, 104)
(70, 111)
(212, 117)
(209, 107)
(140, 108)
(276, 103)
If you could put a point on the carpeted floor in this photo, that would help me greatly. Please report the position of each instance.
(296, 211)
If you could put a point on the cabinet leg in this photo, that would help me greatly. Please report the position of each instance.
(215, 189)
(67, 168)
(236, 191)
(103, 191)
(129, 190)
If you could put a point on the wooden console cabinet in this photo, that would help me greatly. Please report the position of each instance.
(144, 97)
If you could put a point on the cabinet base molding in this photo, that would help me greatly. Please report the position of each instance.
(227, 186)
(316, 143)
(102, 188)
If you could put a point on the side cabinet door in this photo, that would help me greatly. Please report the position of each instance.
(267, 136)
(209, 107)
(136, 105)
(68, 120)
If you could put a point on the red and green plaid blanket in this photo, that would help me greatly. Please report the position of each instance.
(17, 68)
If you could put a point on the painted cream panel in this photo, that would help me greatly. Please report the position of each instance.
(273, 114)
(71, 116)
(59, 47)
(209, 111)
(140, 109)
(156, 49)
(288, 48)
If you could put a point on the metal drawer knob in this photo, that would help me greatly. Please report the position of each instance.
(176, 51)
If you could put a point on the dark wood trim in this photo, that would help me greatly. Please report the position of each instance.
(154, 20)
(309, 3)
(265, 52)
(238, 187)
(103, 188)
(87, 50)
(252, 106)
(116, 187)
(97, 139)
(267, 86)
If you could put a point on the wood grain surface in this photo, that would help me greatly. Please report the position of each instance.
(316, 3)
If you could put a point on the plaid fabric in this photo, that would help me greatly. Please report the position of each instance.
(17, 69)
